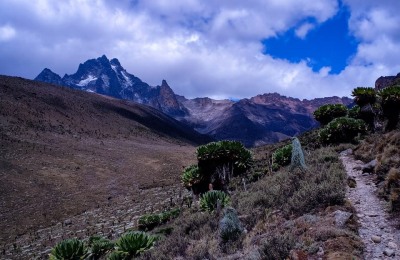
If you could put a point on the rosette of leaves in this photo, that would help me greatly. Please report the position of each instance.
(363, 96)
(191, 176)
(326, 113)
(213, 199)
(99, 246)
(72, 249)
(134, 243)
(390, 102)
(118, 255)
(230, 227)
(281, 157)
(342, 129)
(226, 152)
(218, 162)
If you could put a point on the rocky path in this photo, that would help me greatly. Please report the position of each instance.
(377, 231)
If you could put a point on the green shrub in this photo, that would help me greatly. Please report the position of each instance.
(327, 113)
(354, 112)
(118, 255)
(342, 129)
(99, 246)
(69, 249)
(363, 96)
(149, 221)
(209, 200)
(390, 102)
(281, 157)
(191, 176)
(230, 227)
(218, 162)
(135, 242)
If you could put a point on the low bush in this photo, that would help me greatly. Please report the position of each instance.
(191, 176)
(323, 184)
(342, 129)
(281, 157)
(99, 246)
(210, 200)
(230, 227)
(150, 221)
(277, 246)
(327, 113)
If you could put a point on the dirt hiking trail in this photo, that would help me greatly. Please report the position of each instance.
(377, 230)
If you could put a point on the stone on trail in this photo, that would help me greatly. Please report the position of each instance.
(388, 252)
(376, 239)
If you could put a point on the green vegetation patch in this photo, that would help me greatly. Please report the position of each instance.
(327, 113)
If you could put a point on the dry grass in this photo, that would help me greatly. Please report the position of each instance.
(63, 152)
(281, 212)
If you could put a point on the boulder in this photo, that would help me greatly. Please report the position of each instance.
(369, 167)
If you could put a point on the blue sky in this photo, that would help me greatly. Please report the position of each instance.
(329, 44)
(220, 49)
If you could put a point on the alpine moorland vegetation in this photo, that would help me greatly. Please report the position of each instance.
(276, 201)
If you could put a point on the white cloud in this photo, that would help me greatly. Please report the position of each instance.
(303, 30)
(6, 33)
(202, 48)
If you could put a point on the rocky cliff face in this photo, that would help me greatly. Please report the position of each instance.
(259, 120)
(383, 82)
(108, 77)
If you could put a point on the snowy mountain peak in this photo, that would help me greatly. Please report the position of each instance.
(108, 77)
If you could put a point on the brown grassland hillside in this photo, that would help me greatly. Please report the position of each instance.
(64, 151)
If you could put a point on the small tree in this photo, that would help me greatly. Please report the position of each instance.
(218, 162)
(364, 96)
(390, 101)
(327, 113)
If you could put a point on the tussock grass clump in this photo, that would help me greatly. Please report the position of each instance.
(277, 246)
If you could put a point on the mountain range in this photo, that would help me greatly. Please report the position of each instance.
(262, 119)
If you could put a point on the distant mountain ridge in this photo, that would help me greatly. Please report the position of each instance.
(262, 119)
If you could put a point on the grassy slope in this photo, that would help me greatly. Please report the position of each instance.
(64, 151)
(281, 211)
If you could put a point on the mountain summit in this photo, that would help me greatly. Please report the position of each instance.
(108, 77)
(266, 118)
